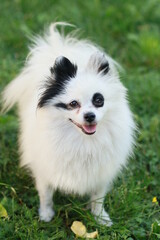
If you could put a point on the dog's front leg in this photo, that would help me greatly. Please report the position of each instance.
(46, 212)
(97, 208)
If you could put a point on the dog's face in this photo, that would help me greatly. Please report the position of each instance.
(84, 102)
(81, 97)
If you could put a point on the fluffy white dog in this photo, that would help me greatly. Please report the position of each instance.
(76, 128)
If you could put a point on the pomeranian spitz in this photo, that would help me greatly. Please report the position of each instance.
(76, 127)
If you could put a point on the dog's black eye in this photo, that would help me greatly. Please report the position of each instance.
(98, 100)
(74, 104)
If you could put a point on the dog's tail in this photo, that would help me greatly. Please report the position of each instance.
(17, 89)
(13, 92)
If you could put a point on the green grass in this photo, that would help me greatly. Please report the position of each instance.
(129, 31)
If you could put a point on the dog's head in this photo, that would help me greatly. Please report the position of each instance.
(82, 97)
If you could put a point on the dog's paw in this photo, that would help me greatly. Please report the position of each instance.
(104, 219)
(46, 214)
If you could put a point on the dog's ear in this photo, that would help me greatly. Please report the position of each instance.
(98, 63)
(61, 73)
(63, 68)
(103, 67)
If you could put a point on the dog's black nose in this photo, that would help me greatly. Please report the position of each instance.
(89, 117)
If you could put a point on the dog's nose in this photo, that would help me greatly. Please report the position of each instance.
(89, 117)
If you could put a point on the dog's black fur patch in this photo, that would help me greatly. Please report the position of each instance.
(104, 68)
(62, 71)
(98, 100)
(62, 105)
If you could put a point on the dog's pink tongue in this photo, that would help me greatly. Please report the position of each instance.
(89, 128)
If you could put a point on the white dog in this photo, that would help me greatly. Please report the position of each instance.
(76, 128)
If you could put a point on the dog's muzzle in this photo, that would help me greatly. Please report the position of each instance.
(88, 128)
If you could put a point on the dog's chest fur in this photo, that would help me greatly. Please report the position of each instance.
(74, 164)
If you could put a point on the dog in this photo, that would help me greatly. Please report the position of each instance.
(76, 127)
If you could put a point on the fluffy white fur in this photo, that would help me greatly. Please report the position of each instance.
(57, 152)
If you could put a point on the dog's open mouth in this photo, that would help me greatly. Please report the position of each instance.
(87, 129)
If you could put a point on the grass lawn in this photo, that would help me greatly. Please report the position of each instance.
(130, 32)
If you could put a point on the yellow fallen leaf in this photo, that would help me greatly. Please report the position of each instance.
(80, 230)
(92, 234)
(3, 212)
